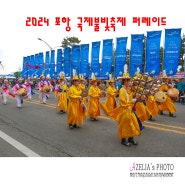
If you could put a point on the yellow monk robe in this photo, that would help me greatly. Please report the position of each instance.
(168, 105)
(110, 102)
(94, 105)
(61, 93)
(84, 99)
(152, 105)
(142, 111)
(75, 108)
(82, 87)
(127, 121)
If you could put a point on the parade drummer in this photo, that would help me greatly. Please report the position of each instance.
(168, 105)
(19, 96)
(61, 93)
(28, 83)
(128, 126)
(110, 102)
(42, 93)
(75, 116)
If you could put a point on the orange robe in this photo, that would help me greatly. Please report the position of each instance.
(127, 122)
(110, 102)
(75, 108)
(152, 105)
(142, 111)
(61, 97)
(94, 105)
(168, 105)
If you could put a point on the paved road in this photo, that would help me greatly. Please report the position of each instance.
(40, 130)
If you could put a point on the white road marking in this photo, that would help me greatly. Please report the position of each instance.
(25, 150)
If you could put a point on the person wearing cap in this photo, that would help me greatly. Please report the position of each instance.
(75, 108)
(16, 88)
(28, 83)
(110, 102)
(128, 126)
(61, 94)
(168, 105)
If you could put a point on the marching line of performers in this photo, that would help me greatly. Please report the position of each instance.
(129, 106)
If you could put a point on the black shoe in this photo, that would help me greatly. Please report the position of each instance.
(76, 126)
(61, 111)
(151, 119)
(161, 112)
(71, 127)
(171, 115)
(125, 142)
(131, 140)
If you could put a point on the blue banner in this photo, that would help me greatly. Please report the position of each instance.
(59, 61)
(52, 64)
(76, 58)
(40, 63)
(32, 63)
(47, 61)
(153, 52)
(172, 50)
(136, 53)
(84, 64)
(95, 66)
(67, 61)
(121, 54)
(25, 67)
(106, 58)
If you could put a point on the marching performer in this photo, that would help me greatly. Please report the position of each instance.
(76, 107)
(61, 94)
(94, 103)
(42, 90)
(5, 91)
(110, 102)
(82, 85)
(168, 105)
(128, 126)
(20, 92)
(48, 83)
(152, 105)
(28, 85)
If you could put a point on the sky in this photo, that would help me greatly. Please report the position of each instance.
(18, 40)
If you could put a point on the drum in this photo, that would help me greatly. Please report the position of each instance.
(173, 92)
(22, 92)
(46, 89)
(160, 97)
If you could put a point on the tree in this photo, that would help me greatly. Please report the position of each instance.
(70, 41)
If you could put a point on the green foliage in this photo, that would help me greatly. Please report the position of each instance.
(70, 41)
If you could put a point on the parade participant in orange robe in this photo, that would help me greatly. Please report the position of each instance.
(168, 105)
(94, 93)
(128, 126)
(61, 94)
(75, 109)
(152, 105)
(110, 102)
(82, 85)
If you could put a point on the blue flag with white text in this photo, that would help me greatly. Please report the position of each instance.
(172, 50)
